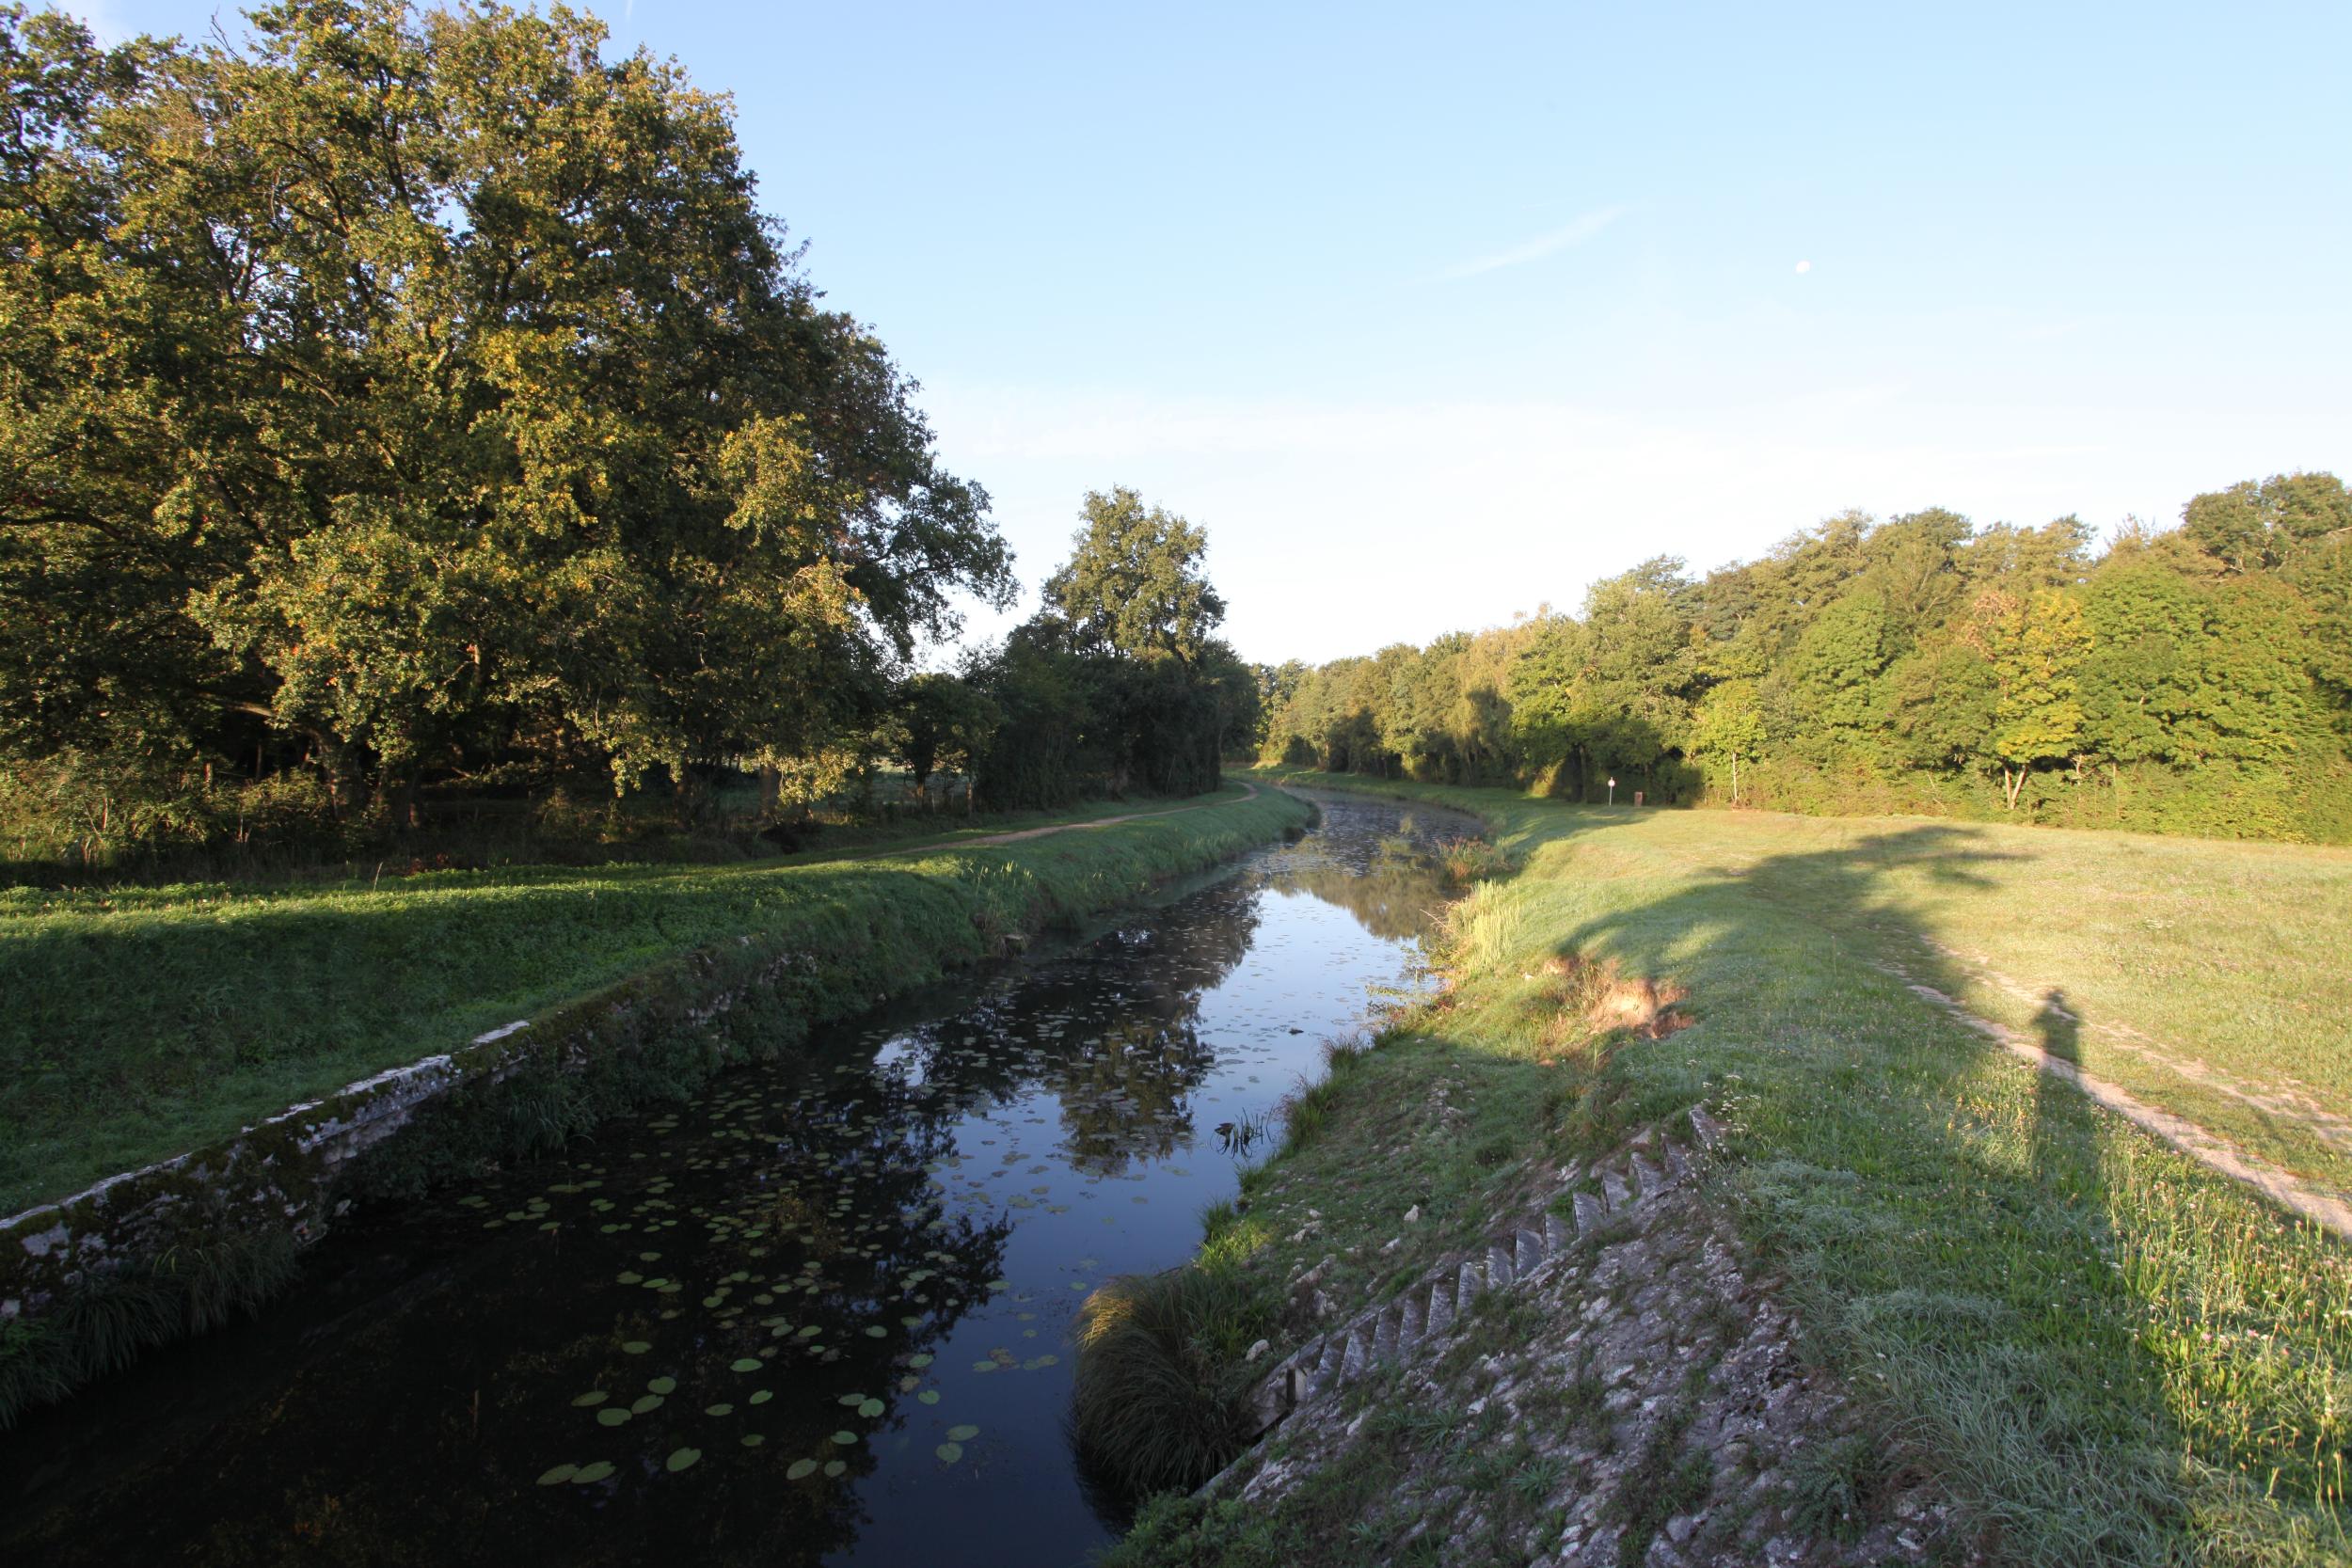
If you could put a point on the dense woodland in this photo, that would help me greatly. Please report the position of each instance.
(2193, 680)
(401, 403)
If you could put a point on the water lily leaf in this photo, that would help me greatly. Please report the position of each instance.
(845, 1438)
(929, 1395)
(745, 1364)
(763, 1396)
(683, 1459)
(662, 1385)
(588, 1475)
(612, 1417)
(963, 1433)
(800, 1468)
(594, 1396)
(922, 1360)
(870, 1408)
(851, 1398)
(636, 1346)
(557, 1475)
(718, 1410)
(753, 1439)
(644, 1403)
(875, 1331)
(950, 1452)
(835, 1467)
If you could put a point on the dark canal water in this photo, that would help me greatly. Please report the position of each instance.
(818, 1315)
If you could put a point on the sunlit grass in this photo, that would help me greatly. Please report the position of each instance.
(2106, 1352)
(144, 1022)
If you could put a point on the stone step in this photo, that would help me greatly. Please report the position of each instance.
(1472, 1279)
(1556, 1232)
(1677, 1162)
(1383, 1338)
(1327, 1364)
(1710, 1132)
(1647, 1178)
(1440, 1308)
(1358, 1355)
(1527, 1251)
(1613, 1187)
(1498, 1266)
(1589, 1213)
(1409, 1322)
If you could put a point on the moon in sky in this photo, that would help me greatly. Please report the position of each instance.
(1804, 266)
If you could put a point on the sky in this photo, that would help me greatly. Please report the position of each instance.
(1432, 315)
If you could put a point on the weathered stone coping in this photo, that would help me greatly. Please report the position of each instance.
(278, 1169)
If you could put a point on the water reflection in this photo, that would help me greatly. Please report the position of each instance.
(816, 1315)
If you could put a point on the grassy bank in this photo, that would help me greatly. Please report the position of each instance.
(2104, 1352)
(144, 1022)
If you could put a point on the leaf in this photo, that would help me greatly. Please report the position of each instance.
(683, 1459)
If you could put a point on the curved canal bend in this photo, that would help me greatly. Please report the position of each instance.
(816, 1315)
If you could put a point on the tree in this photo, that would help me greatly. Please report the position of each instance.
(1133, 585)
(940, 721)
(1729, 723)
(412, 380)
(2035, 647)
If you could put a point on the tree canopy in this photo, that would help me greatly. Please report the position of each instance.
(2198, 679)
(410, 384)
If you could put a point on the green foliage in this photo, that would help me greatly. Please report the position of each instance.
(401, 389)
(1118, 682)
(2196, 681)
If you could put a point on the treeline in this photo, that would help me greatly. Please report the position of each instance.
(2192, 680)
(405, 400)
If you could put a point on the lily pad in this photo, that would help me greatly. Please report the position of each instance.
(612, 1417)
(588, 1475)
(929, 1395)
(636, 1346)
(763, 1396)
(557, 1475)
(845, 1438)
(871, 1409)
(684, 1459)
(644, 1403)
(594, 1396)
(800, 1468)
(753, 1439)
(950, 1452)
(662, 1385)
(963, 1433)
(745, 1364)
(835, 1467)
(718, 1409)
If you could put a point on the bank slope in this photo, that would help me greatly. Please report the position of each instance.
(2099, 1349)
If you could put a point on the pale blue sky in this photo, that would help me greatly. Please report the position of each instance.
(1432, 314)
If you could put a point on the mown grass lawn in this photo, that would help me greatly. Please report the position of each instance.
(139, 1023)
(2103, 1352)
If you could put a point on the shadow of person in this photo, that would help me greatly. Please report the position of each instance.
(2057, 1029)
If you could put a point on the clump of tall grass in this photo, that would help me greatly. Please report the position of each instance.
(1305, 1113)
(1160, 1376)
(110, 1318)
(1475, 860)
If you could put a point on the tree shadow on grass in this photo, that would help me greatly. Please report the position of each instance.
(1946, 1218)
